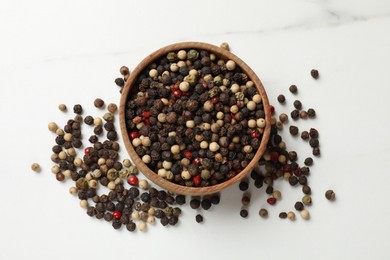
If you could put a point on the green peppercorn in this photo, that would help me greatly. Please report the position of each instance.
(306, 200)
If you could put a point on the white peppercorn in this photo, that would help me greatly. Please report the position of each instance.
(235, 88)
(142, 226)
(97, 121)
(153, 73)
(291, 215)
(62, 155)
(60, 132)
(135, 215)
(214, 147)
(208, 106)
(190, 123)
(136, 142)
(68, 173)
(78, 162)
(230, 65)
(111, 185)
(251, 105)
(182, 54)
(184, 86)
(185, 175)
(260, 122)
(146, 141)
(175, 149)
(52, 127)
(71, 151)
(62, 107)
(35, 167)
(146, 158)
(151, 219)
(204, 145)
(257, 98)
(167, 165)
(252, 123)
(73, 190)
(55, 169)
(84, 204)
(143, 184)
(305, 214)
(234, 109)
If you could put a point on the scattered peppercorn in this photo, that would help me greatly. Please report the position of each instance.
(199, 218)
(35, 167)
(263, 213)
(293, 130)
(244, 185)
(78, 109)
(244, 213)
(297, 104)
(308, 161)
(293, 89)
(314, 73)
(330, 195)
(282, 215)
(281, 99)
(298, 206)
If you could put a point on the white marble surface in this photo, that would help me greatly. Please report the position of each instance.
(69, 52)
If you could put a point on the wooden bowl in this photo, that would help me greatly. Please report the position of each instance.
(166, 184)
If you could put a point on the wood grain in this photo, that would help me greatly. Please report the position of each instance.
(170, 186)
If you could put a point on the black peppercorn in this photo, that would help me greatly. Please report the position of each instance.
(314, 142)
(308, 161)
(293, 130)
(330, 195)
(293, 180)
(119, 82)
(215, 199)
(194, 203)
(311, 113)
(206, 204)
(293, 89)
(131, 226)
(282, 215)
(316, 151)
(78, 109)
(297, 104)
(306, 190)
(180, 199)
(244, 185)
(305, 135)
(299, 206)
(281, 99)
(199, 218)
(314, 73)
(244, 213)
(116, 224)
(295, 114)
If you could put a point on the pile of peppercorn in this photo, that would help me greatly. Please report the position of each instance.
(195, 119)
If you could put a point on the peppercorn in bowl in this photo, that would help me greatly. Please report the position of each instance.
(194, 118)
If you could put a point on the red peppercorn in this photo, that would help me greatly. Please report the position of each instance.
(145, 114)
(86, 150)
(298, 172)
(214, 100)
(239, 104)
(272, 108)
(271, 201)
(232, 116)
(186, 94)
(188, 154)
(274, 156)
(196, 161)
(116, 214)
(132, 180)
(197, 180)
(238, 170)
(133, 135)
(147, 121)
(175, 86)
(177, 93)
(255, 134)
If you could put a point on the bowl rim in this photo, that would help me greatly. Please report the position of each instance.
(151, 175)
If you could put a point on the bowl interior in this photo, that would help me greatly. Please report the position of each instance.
(166, 184)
